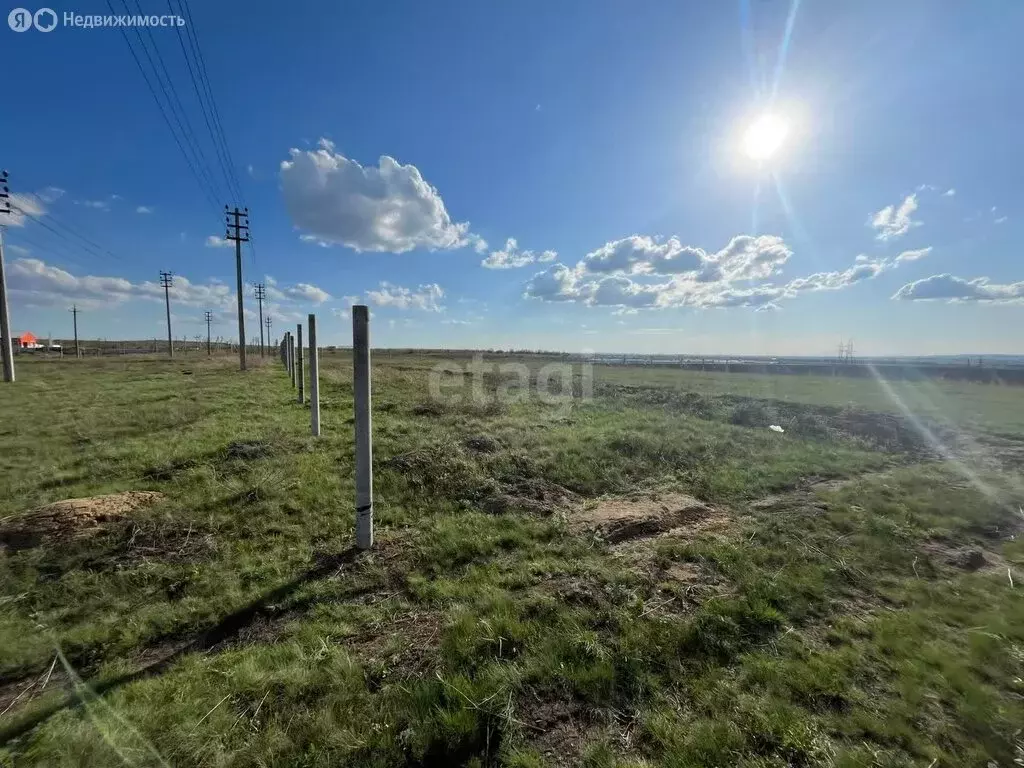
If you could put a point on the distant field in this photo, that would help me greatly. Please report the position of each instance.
(649, 577)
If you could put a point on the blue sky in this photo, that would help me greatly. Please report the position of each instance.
(389, 151)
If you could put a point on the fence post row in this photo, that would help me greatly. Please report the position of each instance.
(314, 379)
(298, 363)
(363, 425)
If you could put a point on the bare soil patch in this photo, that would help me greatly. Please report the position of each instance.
(963, 556)
(73, 519)
(399, 647)
(619, 519)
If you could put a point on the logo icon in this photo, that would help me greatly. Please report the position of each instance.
(45, 19)
(20, 20)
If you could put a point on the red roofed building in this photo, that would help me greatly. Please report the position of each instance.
(28, 340)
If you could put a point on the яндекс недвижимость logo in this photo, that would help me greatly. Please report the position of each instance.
(22, 19)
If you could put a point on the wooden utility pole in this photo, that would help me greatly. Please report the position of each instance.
(74, 315)
(5, 316)
(167, 280)
(267, 323)
(363, 425)
(261, 294)
(240, 236)
(209, 319)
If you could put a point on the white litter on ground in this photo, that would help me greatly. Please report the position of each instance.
(776, 428)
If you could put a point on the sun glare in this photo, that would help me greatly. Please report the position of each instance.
(764, 137)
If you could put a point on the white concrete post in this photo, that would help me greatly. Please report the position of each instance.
(314, 378)
(291, 357)
(298, 364)
(363, 425)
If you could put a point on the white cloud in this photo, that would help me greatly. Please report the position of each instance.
(1000, 220)
(389, 207)
(744, 258)
(307, 292)
(34, 282)
(143, 209)
(215, 241)
(511, 257)
(949, 192)
(50, 194)
(453, 321)
(556, 283)
(892, 221)
(643, 254)
(957, 289)
(22, 206)
(835, 281)
(920, 253)
(641, 272)
(37, 283)
(425, 297)
(99, 205)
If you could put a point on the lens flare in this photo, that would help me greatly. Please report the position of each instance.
(764, 137)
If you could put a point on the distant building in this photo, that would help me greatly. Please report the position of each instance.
(27, 341)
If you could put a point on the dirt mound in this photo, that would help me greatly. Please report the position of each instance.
(72, 518)
(482, 444)
(247, 450)
(962, 556)
(619, 519)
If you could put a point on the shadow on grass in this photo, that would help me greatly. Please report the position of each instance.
(228, 628)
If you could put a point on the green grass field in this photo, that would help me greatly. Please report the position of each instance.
(543, 590)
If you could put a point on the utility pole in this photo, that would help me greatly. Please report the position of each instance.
(241, 236)
(74, 315)
(261, 294)
(5, 317)
(167, 280)
(268, 324)
(209, 319)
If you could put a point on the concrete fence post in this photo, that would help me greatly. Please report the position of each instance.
(298, 364)
(363, 425)
(291, 357)
(314, 378)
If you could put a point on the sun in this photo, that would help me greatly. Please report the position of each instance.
(764, 137)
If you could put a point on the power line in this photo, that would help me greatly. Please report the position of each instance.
(163, 112)
(90, 245)
(87, 246)
(171, 94)
(193, 35)
(191, 32)
(228, 176)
